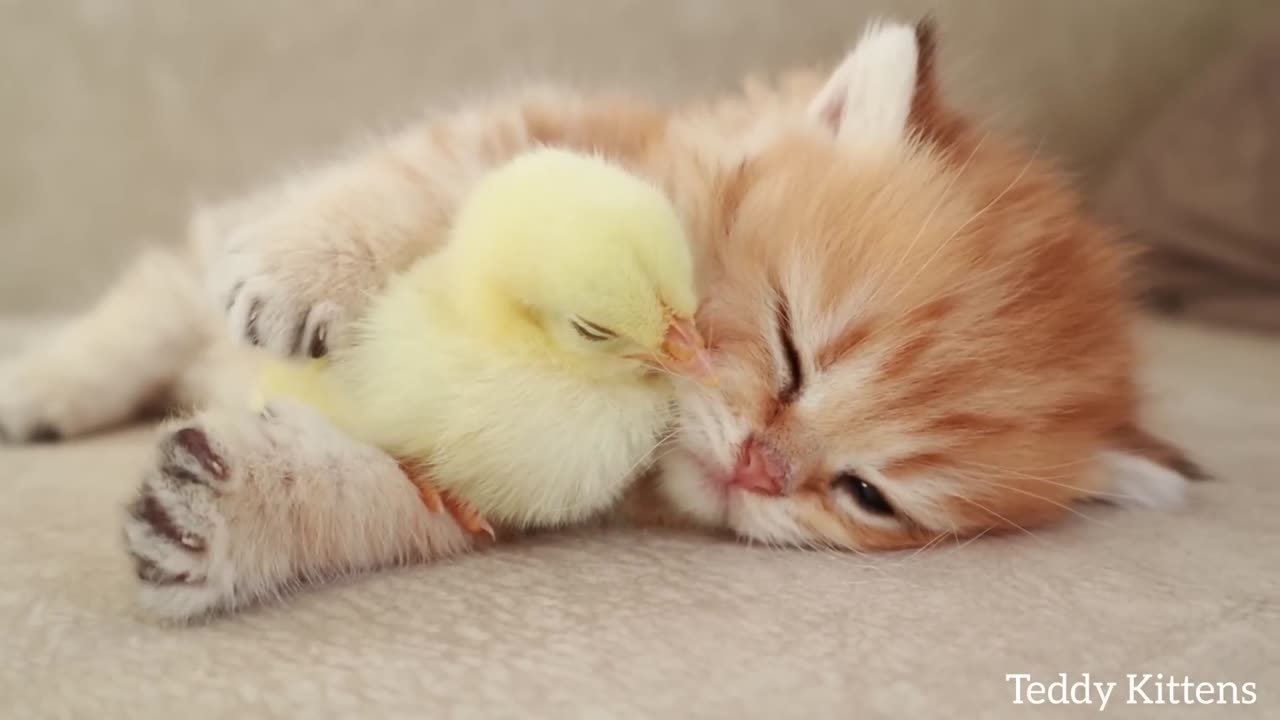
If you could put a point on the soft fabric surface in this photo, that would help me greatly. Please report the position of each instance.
(1200, 190)
(634, 624)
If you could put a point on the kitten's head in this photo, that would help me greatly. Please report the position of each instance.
(918, 332)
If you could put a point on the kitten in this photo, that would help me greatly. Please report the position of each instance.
(919, 333)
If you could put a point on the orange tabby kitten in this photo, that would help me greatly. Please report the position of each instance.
(919, 334)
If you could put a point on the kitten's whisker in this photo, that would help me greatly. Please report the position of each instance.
(980, 279)
(659, 443)
(711, 335)
(998, 516)
(965, 544)
(1038, 479)
(992, 203)
(1070, 464)
(1043, 499)
(662, 368)
(942, 197)
(1048, 481)
(934, 541)
(649, 458)
(834, 549)
(995, 484)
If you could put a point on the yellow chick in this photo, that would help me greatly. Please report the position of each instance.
(527, 366)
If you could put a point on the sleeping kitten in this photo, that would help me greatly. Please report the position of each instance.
(919, 333)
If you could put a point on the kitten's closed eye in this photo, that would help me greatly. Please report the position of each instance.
(867, 496)
(794, 380)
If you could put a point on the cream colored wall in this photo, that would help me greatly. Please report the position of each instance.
(116, 115)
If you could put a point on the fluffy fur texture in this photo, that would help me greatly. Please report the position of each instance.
(462, 363)
(920, 335)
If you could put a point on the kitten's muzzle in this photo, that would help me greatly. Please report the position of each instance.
(759, 470)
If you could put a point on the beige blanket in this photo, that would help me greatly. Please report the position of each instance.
(643, 625)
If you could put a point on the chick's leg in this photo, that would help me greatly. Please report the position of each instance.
(240, 507)
(438, 500)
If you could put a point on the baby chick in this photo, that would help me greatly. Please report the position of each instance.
(526, 368)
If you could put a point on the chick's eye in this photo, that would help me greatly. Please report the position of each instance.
(868, 496)
(592, 331)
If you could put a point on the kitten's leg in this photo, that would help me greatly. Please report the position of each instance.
(290, 275)
(293, 264)
(295, 268)
(104, 365)
(241, 507)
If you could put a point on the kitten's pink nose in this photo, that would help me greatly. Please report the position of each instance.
(759, 469)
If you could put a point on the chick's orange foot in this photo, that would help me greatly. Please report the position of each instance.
(437, 500)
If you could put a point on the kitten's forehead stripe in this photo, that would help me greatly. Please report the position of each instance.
(844, 344)
(904, 467)
(907, 356)
(793, 381)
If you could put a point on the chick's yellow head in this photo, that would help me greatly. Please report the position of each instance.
(593, 258)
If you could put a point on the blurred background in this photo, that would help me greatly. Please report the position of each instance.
(116, 116)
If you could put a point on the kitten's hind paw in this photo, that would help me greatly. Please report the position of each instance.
(242, 507)
(175, 532)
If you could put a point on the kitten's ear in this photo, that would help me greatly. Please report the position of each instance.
(868, 100)
(1145, 471)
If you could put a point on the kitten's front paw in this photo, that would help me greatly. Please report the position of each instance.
(290, 282)
(176, 531)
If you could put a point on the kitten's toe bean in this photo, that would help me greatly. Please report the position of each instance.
(241, 507)
(44, 433)
(176, 532)
(263, 312)
(256, 315)
(190, 446)
(314, 340)
(20, 428)
(289, 278)
(171, 559)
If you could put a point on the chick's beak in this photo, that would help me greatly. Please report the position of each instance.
(684, 352)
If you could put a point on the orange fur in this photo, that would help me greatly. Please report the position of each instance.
(965, 327)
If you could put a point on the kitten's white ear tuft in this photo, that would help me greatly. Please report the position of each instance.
(1136, 481)
(867, 100)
